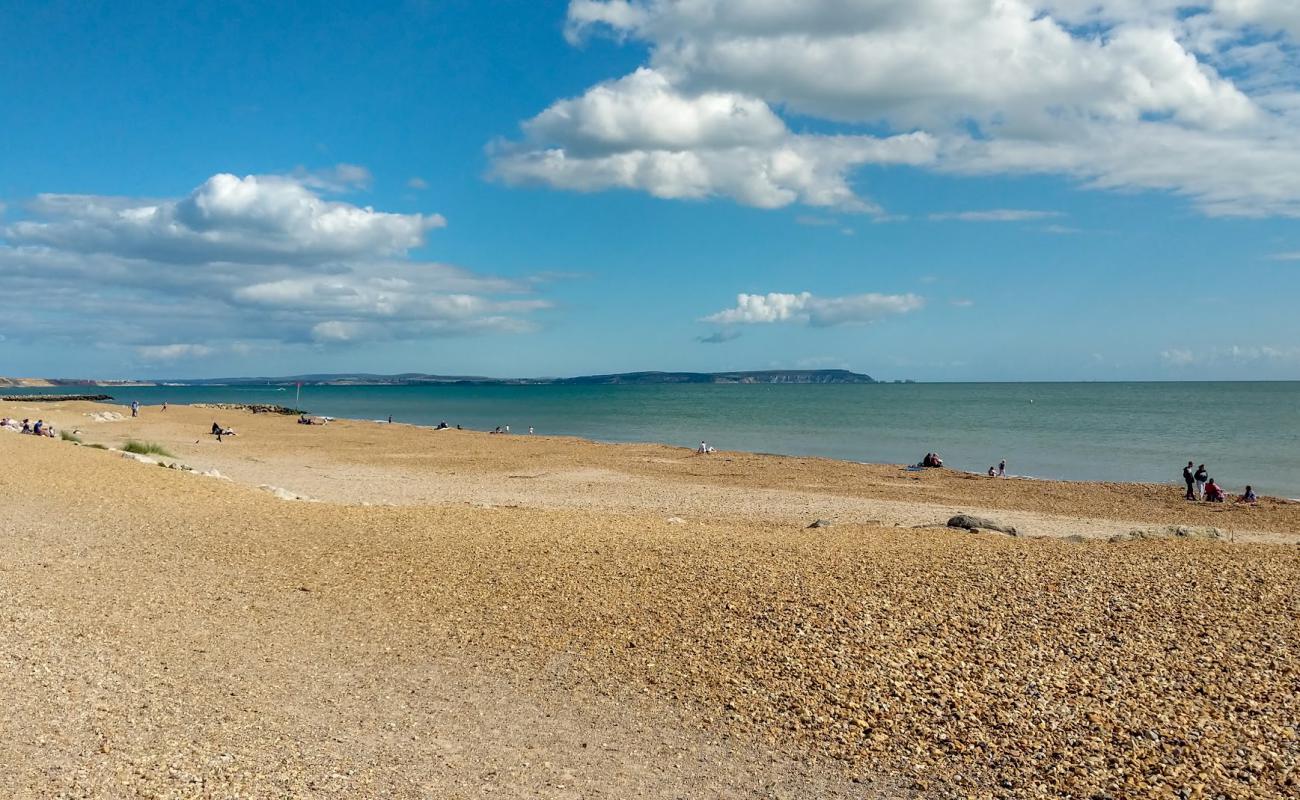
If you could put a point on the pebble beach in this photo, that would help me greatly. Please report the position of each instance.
(360, 609)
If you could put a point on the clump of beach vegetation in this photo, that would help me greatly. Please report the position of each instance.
(145, 448)
(69, 437)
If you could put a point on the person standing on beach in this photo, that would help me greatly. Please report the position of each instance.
(1190, 480)
(1202, 476)
(1002, 468)
(135, 408)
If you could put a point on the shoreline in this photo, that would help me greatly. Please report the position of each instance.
(372, 462)
(1075, 434)
(578, 438)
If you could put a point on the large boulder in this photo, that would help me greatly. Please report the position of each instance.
(972, 523)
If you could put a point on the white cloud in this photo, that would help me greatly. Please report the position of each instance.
(996, 215)
(642, 133)
(808, 309)
(417, 183)
(1291, 256)
(1201, 100)
(262, 258)
(173, 352)
(962, 302)
(254, 219)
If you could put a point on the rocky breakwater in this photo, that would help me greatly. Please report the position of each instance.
(256, 408)
(54, 398)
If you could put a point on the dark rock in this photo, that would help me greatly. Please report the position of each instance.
(967, 522)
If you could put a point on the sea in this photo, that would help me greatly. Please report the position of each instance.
(1244, 432)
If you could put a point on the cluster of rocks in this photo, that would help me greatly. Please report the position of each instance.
(256, 408)
(977, 524)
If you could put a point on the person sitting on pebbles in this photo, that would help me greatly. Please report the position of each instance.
(1213, 492)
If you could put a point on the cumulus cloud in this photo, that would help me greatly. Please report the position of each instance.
(808, 309)
(640, 132)
(259, 257)
(1201, 100)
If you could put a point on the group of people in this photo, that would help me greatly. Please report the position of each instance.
(1000, 471)
(1200, 486)
(38, 428)
(931, 460)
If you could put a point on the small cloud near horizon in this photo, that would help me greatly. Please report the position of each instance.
(719, 337)
(805, 308)
(995, 215)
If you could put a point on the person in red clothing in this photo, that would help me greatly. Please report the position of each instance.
(1213, 492)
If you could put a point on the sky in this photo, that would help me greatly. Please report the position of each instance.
(916, 189)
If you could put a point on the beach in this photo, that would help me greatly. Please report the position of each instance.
(460, 614)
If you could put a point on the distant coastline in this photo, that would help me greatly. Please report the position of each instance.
(797, 376)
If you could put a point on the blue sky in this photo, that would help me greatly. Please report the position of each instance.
(931, 190)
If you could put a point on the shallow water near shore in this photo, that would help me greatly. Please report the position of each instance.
(1244, 432)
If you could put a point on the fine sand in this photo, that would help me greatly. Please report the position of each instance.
(624, 621)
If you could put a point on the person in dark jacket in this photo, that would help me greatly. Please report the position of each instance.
(1202, 476)
(1190, 479)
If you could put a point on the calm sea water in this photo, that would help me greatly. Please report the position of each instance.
(1244, 432)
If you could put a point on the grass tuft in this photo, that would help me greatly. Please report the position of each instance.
(97, 446)
(69, 437)
(145, 448)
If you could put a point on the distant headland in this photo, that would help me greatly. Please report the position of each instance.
(795, 376)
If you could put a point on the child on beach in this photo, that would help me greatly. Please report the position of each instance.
(1002, 468)
(1202, 477)
(1248, 496)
